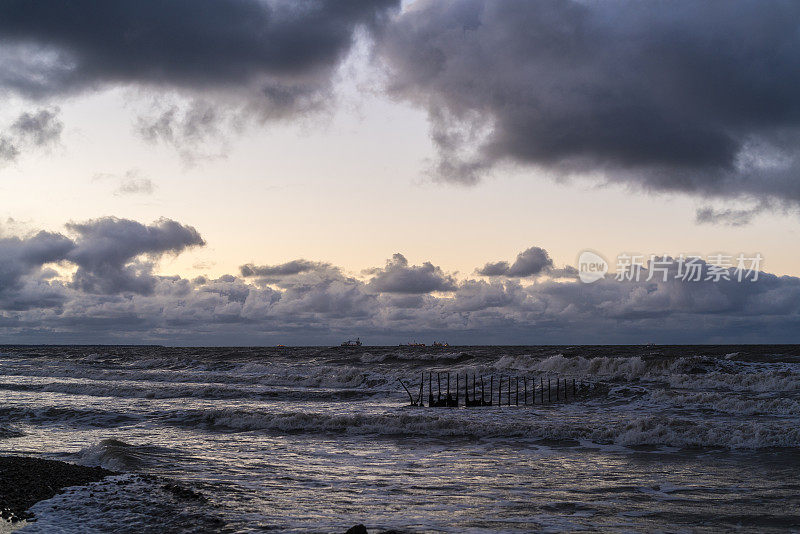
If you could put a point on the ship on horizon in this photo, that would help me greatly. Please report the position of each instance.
(351, 343)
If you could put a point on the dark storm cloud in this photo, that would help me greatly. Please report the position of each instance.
(127, 302)
(399, 277)
(111, 255)
(474, 295)
(24, 283)
(22, 256)
(337, 299)
(610, 300)
(498, 268)
(284, 269)
(212, 67)
(688, 96)
(106, 252)
(284, 48)
(530, 262)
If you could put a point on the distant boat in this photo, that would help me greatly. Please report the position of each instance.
(414, 344)
(441, 344)
(351, 343)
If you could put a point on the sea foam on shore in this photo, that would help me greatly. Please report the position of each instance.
(25, 481)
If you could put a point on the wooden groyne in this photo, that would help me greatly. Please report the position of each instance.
(480, 391)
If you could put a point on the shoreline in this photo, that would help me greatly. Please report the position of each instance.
(25, 480)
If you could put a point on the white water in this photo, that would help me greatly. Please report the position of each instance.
(307, 439)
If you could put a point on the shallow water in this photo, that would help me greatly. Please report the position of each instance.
(308, 439)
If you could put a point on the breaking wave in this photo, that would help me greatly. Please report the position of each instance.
(117, 455)
(631, 431)
(731, 400)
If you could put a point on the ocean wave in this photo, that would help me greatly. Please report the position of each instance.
(77, 417)
(685, 432)
(753, 378)
(736, 404)
(633, 430)
(690, 372)
(292, 380)
(131, 389)
(680, 399)
(10, 432)
(117, 455)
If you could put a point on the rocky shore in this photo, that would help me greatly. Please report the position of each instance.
(25, 481)
(361, 529)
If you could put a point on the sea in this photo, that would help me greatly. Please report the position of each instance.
(318, 439)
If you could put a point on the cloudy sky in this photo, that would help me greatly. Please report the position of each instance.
(304, 171)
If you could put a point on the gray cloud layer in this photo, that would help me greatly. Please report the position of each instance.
(687, 96)
(112, 256)
(114, 296)
(289, 268)
(400, 277)
(39, 129)
(684, 96)
(212, 66)
(284, 49)
(107, 250)
(530, 262)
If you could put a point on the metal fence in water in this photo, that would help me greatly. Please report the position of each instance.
(471, 390)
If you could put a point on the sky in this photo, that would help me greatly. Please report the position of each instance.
(282, 172)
